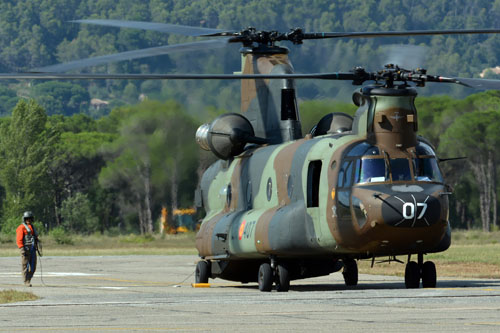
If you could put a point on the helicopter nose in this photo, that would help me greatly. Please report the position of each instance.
(411, 210)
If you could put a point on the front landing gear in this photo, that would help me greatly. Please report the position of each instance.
(277, 273)
(416, 271)
(350, 272)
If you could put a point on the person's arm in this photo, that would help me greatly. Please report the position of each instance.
(20, 236)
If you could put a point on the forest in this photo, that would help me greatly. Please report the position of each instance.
(106, 156)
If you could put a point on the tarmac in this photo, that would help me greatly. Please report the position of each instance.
(154, 294)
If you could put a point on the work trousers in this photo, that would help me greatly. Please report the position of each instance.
(28, 264)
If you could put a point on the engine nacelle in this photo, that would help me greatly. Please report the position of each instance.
(226, 136)
(333, 123)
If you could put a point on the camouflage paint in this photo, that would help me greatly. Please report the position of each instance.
(257, 202)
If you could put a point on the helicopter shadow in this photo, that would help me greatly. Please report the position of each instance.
(383, 285)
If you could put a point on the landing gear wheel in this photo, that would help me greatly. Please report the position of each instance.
(429, 276)
(350, 272)
(265, 277)
(282, 278)
(412, 275)
(202, 272)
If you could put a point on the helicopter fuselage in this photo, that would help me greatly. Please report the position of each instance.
(372, 190)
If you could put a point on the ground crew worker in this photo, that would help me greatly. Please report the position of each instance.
(27, 239)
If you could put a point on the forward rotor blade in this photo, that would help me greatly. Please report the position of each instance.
(161, 27)
(64, 76)
(135, 54)
(485, 84)
(321, 35)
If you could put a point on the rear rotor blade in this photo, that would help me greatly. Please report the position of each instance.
(64, 76)
(136, 54)
(161, 27)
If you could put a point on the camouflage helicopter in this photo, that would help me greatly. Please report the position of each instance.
(281, 206)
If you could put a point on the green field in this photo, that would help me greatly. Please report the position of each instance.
(472, 253)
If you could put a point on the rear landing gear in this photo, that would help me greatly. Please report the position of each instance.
(416, 271)
(265, 277)
(282, 278)
(277, 273)
(202, 272)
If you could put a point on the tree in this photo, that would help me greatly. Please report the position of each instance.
(475, 134)
(154, 151)
(8, 100)
(26, 148)
(77, 214)
(62, 97)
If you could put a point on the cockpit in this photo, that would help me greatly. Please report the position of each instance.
(364, 164)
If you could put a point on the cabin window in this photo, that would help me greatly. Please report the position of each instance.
(313, 180)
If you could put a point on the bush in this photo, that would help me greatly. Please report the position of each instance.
(60, 236)
(77, 214)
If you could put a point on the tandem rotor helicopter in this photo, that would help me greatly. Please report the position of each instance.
(282, 206)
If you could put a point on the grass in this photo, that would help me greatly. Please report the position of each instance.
(102, 245)
(11, 296)
(472, 254)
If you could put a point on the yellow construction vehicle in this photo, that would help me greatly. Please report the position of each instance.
(183, 220)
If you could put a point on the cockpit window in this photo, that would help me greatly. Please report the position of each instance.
(424, 149)
(364, 149)
(371, 170)
(400, 169)
(426, 169)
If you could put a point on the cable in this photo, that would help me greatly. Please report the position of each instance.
(39, 249)
(178, 284)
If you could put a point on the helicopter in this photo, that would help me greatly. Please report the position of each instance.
(282, 206)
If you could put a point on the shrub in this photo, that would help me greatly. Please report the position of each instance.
(60, 236)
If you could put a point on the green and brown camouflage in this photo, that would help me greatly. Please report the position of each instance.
(373, 189)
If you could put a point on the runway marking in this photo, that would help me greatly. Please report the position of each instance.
(51, 274)
(117, 288)
(50, 329)
(496, 323)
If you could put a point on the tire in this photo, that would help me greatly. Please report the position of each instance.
(350, 272)
(429, 275)
(282, 278)
(265, 277)
(202, 272)
(412, 275)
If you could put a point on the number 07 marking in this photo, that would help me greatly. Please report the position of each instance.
(409, 210)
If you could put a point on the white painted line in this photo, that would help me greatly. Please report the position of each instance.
(51, 274)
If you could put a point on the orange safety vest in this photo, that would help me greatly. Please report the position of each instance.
(21, 232)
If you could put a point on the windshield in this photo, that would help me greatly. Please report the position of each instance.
(371, 170)
(400, 169)
(426, 169)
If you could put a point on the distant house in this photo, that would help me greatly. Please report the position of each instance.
(97, 103)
